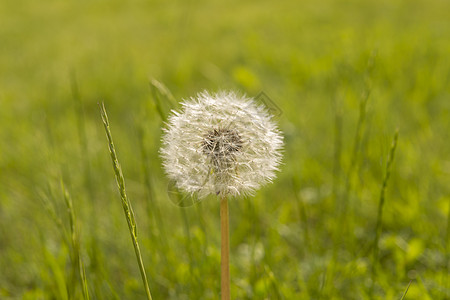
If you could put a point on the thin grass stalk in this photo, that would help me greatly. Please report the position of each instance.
(126, 204)
(337, 205)
(337, 149)
(301, 214)
(378, 228)
(341, 234)
(58, 284)
(155, 212)
(80, 121)
(96, 260)
(77, 260)
(225, 249)
(188, 239)
(163, 106)
(272, 283)
(356, 147)
(252, 214)
(447, 257)
(406, 291)
(201, 219)
(50, 210)
(58, 278)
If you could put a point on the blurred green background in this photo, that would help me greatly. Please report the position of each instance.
(310, 234)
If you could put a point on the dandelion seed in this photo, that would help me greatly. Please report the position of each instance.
(221, 144)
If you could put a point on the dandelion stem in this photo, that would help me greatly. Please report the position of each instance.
(125, 201)
(225, 249)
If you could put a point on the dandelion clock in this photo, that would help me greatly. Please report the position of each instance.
(221, 144)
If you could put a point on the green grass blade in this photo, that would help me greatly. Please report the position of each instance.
(381, 204)
(406, 291)
(76, 256)
(163, 98)
(125, 202)
(58, 274)
(119, 175)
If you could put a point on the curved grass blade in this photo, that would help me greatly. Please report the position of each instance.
(163, 98)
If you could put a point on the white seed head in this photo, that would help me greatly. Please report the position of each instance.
(221, 144)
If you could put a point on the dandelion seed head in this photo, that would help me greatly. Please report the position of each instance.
(222, 144)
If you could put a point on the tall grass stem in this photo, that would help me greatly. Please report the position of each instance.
(378, 228)
(76, 256)
(94, 253)
(447, 256)
(301, 207)
(162, 97)
(128, 210)
(406, 291)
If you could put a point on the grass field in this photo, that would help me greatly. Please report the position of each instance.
(345, 75)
